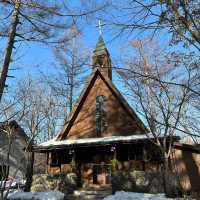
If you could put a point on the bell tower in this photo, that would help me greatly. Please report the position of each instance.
(101, 59)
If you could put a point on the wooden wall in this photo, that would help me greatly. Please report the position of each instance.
(118, 119)
(86, 169)
(128, 158)
(187, 167)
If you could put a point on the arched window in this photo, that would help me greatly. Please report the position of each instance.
(101, 118)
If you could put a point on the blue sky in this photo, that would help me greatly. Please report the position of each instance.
(33, 57)
(36, 57)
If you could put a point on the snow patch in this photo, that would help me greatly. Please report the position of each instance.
(12, 183)
(136, 196)
(54, 142)
(51, 195)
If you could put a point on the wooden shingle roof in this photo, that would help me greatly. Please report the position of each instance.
(96, 73)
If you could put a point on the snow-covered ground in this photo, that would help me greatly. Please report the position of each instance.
(12, 183)
(51, 195)
(136, 196)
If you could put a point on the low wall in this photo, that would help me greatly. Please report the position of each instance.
(65, 183)
(148, 182)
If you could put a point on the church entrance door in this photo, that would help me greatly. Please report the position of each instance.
(101, 174)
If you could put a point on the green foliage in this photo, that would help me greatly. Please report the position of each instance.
(73, 164)
(114, 163)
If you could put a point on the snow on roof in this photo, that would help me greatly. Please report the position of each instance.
(108, 139)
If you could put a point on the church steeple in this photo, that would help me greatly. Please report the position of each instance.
(101, 58)
(100, 46)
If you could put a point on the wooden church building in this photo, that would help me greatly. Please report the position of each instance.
(102, 132)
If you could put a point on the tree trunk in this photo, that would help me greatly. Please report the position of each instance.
(79, 181)
(165, 172)
(9, 47)
(29, 172)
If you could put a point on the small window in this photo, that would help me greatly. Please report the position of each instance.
(101, 118)
(54, 159)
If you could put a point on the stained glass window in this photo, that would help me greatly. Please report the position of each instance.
(101, 121)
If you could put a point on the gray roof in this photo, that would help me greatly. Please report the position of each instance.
(16, 126)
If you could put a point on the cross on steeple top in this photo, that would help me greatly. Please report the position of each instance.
(100, 25)
(101, 58)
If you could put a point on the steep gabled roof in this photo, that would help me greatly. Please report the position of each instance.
(100, 47)
(83, 96)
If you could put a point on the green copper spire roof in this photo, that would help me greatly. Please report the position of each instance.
(100, 47)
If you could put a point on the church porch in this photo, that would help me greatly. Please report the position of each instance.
(95, 160)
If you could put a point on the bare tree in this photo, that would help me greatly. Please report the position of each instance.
(179, 17)
(34, 21)
(161, 105)
(9, 47)
(39, 117)
(72, 61)
(175, 20)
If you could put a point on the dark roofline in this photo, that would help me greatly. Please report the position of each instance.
(187, 147)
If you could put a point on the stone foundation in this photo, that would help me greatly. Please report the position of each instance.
(65, 183)
(148, 182)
